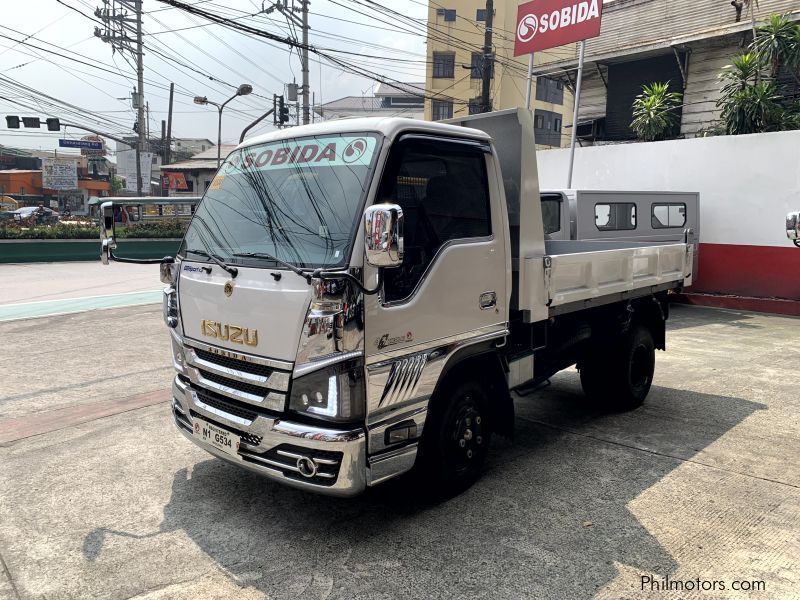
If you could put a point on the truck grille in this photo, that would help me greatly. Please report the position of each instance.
(247, 388)
(226, 405)
(261, 386)
(232, 363)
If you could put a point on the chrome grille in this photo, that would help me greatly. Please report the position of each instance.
(232, 363)
(229, 406)
(252, 380)
(247, 388)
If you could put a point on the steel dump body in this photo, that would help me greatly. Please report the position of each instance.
(555, 277)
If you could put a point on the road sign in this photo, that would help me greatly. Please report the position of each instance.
(544, 24)
(87, 144)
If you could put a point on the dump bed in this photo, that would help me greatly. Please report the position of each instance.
(577, 275)
(554, 277)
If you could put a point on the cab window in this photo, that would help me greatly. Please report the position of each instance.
(443, 189)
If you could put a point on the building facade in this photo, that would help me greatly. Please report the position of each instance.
(455, 66)
(684, 42)
(389, 100)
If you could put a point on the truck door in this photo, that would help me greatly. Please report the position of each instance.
(452, 284)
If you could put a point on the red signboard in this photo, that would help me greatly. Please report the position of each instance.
(544, 24)
(177, 181)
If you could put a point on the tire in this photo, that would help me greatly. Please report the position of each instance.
(455, 440)
(619, 378)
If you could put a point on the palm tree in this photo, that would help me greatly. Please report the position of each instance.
(654, 112)
(777, 43)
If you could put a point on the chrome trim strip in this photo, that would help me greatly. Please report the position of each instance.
(278, 380)
(475, 336)
(270, 401)
(311, 367)
(220, 413)
(391, 464)
(269, 362)
(321, 461)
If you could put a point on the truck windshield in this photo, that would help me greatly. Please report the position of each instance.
(294, 199)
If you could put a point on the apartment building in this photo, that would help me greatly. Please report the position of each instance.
(455, 66)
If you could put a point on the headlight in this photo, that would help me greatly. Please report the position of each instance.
(178, 357)
(334, 393)
(169, 306)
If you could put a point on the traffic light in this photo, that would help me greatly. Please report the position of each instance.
(12, 122)
(33, 122)
(53, 125)
(136, 126)
(283, 111)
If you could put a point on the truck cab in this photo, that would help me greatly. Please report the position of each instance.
(356, 298)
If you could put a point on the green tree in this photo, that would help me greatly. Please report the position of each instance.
(777, 44)
(754, 109)
(655, 115)
(117, 183)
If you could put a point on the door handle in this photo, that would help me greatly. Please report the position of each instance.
(487, 300)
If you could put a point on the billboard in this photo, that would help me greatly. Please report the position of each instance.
(126, 168)
(544, 24)
(59, 174)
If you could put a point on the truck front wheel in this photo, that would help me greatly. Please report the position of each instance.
(619, 378)
(455, 440)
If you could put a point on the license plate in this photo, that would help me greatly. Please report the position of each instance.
(217, 437)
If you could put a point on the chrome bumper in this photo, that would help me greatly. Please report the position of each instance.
(274, 448)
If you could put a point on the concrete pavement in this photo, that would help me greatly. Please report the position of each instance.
(702, 483)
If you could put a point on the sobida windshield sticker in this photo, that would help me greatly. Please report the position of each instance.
(311, 152)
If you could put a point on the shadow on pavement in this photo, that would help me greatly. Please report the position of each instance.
(548, 519)
(684, 316)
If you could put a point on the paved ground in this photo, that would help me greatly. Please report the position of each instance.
(702, 482)
(38, 289)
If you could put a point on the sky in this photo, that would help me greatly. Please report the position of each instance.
(34, 33)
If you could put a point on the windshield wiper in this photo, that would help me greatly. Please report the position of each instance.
(232, 270)
(291, 267)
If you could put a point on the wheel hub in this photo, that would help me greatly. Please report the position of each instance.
(467, 433)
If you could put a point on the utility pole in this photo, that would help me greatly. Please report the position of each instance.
(168, 150)
(140, 87)
(117, 31)
(487, 65)
(306, 112)
(289, 12)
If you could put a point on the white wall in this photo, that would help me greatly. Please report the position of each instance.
(747, 183)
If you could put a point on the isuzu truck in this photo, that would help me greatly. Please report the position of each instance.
(358, 298)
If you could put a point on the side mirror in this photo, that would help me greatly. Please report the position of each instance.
(793, 226)
(383, 235)
(108, 240)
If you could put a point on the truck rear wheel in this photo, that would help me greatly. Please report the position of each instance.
(619, 378)
(455, 440)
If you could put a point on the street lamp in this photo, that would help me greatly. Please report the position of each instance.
(243, 90)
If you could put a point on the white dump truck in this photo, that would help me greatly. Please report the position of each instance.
(358, 298)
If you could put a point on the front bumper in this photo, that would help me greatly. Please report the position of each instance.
(274, 447)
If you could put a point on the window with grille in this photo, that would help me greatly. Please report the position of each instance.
(477, 66)
(442, 109)
(444, 64)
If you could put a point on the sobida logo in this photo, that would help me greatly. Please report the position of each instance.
(580, 12)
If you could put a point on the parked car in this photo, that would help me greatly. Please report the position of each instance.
(43, 215)
(6, 215)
